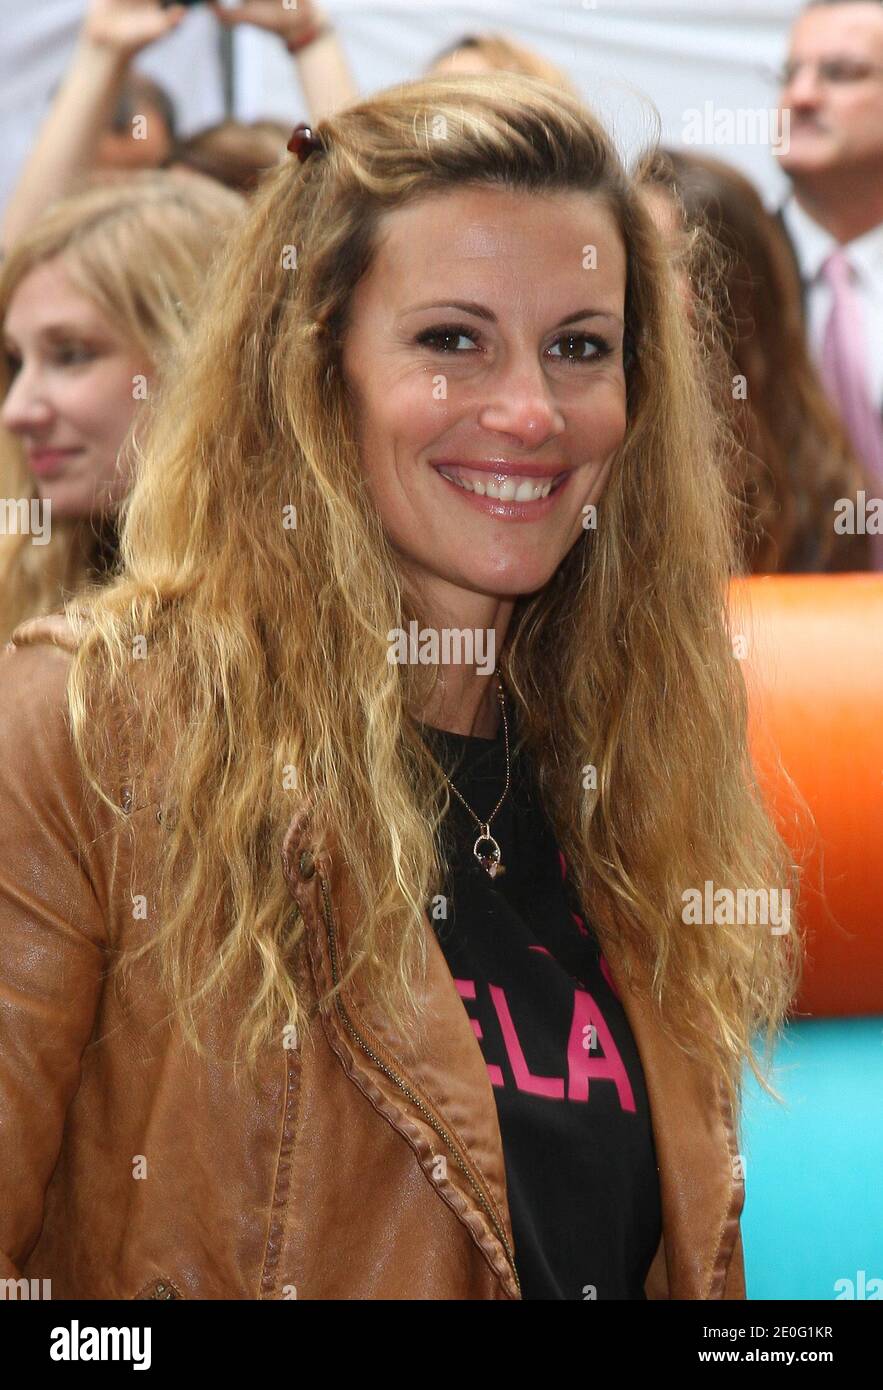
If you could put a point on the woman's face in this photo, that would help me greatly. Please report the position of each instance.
(72, 395)
(484, 355)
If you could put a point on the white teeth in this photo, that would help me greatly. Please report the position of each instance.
(507, 490)
(461, 482)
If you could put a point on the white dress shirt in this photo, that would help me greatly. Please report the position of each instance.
(812, 245)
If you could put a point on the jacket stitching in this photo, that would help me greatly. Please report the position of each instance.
(725, 1242)
(426, 1094)
(282, 1184)
(418, 1141)
(414, 1136)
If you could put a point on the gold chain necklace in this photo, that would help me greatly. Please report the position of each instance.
(486, 849)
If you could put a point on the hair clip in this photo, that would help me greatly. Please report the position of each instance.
(305, 142)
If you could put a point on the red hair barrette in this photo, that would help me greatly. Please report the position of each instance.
(304, 142)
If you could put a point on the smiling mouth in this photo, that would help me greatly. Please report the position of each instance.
(503, 487)
(50, 463)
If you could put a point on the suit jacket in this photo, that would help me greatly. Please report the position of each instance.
(849, 553)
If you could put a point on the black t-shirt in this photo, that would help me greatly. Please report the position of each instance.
(581, 1173)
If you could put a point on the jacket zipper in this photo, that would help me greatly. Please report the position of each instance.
(439, 1129)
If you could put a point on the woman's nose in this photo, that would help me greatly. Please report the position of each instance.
(26, 407)
(522, 404)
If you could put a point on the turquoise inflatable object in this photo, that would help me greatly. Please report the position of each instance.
(812, 1226)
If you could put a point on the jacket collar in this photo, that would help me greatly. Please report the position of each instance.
(442, 1067)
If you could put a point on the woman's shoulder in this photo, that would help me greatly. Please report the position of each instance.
(54, 630)
(35, 738)
(37, 742)
(58, 859)
(34, 668)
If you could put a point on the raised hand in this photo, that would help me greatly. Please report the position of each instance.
(272, 15)
(126, 26)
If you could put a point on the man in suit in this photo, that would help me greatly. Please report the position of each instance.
(832, 90)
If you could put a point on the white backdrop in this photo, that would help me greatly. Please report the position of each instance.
(630, 59)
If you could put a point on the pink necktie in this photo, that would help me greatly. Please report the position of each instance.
(846, 379)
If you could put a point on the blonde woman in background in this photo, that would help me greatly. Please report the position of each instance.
(485, 53)
(339, 1091)
(91, 299)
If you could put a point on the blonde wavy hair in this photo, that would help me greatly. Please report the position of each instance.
(137, 247)
(623, 661)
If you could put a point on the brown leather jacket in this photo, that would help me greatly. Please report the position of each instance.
(131, 1169)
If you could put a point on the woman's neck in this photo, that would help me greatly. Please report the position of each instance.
(467, 706)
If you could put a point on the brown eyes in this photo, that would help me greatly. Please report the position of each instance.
(439, 338)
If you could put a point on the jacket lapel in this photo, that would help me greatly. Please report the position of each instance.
(434, 1079)
(700, 1184)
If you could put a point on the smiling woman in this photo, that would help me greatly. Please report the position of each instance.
(91, 298)
(72, 391)
(434, 909)
(522, 420)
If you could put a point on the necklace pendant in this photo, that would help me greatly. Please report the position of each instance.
(488, 853)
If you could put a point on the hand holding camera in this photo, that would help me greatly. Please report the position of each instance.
(296, 27)
(124, 27)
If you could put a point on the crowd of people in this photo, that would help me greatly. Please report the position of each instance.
(232, 365)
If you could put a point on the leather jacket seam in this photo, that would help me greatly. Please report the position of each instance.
(424, 1094)
(428, 1095)
(726, 1239)
(280, 1202)
(412, 1134)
